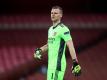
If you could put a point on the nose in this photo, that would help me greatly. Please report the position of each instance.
(52, 14)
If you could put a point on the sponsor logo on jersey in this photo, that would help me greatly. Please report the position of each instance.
(51, 40)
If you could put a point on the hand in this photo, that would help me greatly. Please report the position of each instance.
(37, 53)
(76, 68)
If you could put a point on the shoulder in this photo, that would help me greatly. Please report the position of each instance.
(64, 27)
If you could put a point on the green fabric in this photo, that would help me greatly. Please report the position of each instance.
(55, 75)
(55, 36)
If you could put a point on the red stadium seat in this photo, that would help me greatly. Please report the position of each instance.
(93, 63)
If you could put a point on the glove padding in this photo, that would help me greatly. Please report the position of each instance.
(37, 53)
(76, 68)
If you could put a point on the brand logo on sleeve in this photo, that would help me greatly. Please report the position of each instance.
(66, 33)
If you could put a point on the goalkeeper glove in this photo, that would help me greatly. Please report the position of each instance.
(76, 68)
(37, 53)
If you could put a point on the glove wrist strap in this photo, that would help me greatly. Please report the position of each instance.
(75, 62)
(38, 49)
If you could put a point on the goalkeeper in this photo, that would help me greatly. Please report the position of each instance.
(58, 37)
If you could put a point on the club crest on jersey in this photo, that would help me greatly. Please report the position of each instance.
(54, 34)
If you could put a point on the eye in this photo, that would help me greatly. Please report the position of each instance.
(55, 13)
(51, 12)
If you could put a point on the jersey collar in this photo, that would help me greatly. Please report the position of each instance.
(56, 25)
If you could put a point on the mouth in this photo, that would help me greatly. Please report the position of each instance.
(52, 17)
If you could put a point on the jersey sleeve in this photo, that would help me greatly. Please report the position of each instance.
(65, 34)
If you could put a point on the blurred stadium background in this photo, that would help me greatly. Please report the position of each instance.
(24, 25)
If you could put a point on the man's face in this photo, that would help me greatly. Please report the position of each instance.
(56, 15)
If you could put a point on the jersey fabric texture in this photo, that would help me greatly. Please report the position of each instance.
(57, 37)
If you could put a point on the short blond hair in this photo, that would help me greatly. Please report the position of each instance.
(58, 7)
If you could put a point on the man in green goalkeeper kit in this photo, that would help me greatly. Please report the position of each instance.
(58, 37)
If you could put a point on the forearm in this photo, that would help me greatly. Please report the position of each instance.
(44, 48)
(76, 68)
(71, 49)
(72, 53)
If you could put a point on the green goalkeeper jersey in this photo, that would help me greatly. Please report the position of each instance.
(57, 37)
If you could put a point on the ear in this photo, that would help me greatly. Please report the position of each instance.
(61, 15)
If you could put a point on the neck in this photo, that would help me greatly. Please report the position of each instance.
(56, 22)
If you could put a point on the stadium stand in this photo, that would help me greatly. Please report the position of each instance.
(32, 21)
(93, 61)
(17, 46)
